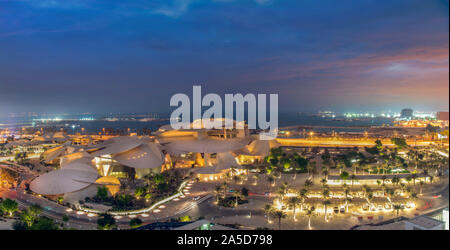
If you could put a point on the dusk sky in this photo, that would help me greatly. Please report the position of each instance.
(132, 56)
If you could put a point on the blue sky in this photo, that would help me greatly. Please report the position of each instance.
(131, 56)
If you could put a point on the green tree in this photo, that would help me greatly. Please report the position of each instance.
(244, 192)
(398, 207)
(218, 192)
(106, 222)
(268, 209)
(102, 192)
(9, 206)
(278, 214)
(44, 223)
(237, 195)
(325, 204)
(30, 215)
(65, 218)
(399, 142)
(60, 200)
(135, 222)
(309, 214)
(139, 192)
(395, 180)
(185, 218)
(378, 144)
(294, 202)
(308, 183)
(344, 175)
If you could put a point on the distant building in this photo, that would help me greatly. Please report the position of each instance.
(406, 113)
(442, 115)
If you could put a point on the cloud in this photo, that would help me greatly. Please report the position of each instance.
(263, 1)
(178, 8)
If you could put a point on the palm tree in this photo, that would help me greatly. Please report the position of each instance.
(217, 192)
(311, 167)
(346, 193)
(390, 193)
(270, 180)
(414, 177)
(421, 183)
(294, 201)
(308, 183)
(352, 177)
(256, 177)
(368, 193)
(106, 222)
(398, 207)
(323, 182)
(326, 193)
(224, 188)
(303, 194)
(325, 173)
(383, 178)
(268, 211)
(413, 196)
(326, 203)
(309, 214)
(236, 178)
(369, 198)
(395, 180)
(9, 206)
(279, 215)
(237, 194)
(30, 215)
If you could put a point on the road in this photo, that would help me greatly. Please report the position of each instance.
(84, 221)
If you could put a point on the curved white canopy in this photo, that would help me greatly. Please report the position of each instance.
(117, 145)
(207, 170)
(259, 148)
(74, 197)
(80, 167)
(62, 181)
(80, 157)
(147, 155)
(207, 145)
(226, 160)
(54, 153)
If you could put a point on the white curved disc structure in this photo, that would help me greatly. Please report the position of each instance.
(259, 148)
(62, 181)
(80, 157)
(226, 160)
(147, 155)
(54, 153)
(117, 145)
(207, 170)
(80, 167)
(207, 145)
(74, 197)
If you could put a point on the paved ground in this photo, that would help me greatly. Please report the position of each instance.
(249, 215)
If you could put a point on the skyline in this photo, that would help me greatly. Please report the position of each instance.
(61, 56)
